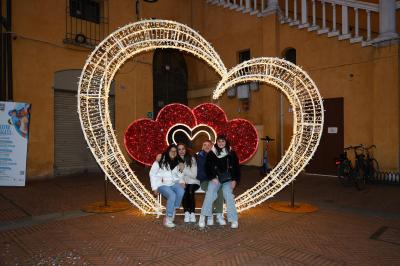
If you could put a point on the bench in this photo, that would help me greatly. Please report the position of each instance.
(162, 211)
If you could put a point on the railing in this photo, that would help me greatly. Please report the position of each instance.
(322, 16)
(85, 30)
(254, 7)
(350, 26)
(357, 7)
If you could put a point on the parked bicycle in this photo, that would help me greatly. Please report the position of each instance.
(371, 164)
(348, 174)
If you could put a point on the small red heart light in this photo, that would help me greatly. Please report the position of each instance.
(145, 138)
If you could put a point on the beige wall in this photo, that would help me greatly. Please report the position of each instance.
(39, 52)
(370, 96)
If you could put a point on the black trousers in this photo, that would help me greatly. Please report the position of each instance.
(188, 201)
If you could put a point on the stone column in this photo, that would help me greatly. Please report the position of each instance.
(387, 19)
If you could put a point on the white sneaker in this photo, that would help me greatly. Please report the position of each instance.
(187, 217)
(235, 224)
(220, 219)
(202, 221)
(210, 220)
(168, 222)
(192, 217)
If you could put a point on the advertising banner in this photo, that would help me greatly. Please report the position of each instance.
(14, 135)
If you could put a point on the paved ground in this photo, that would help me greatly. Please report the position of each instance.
(42, 224)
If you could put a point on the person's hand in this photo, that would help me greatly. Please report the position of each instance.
(183, 185)
(155, 192)
(215, 181)
(233, 184)
(181, 167)
(158, 157)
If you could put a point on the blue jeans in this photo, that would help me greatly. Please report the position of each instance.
(174, 195)
(211, 195)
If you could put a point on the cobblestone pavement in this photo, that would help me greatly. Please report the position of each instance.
(42, 224)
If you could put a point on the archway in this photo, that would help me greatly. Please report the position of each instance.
(169, 79)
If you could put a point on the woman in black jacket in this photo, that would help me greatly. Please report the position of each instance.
(223, 169)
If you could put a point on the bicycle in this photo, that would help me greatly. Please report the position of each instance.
(348, 174)
(371, 164)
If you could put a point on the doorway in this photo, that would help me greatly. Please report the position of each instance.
(332, 140)
(169, 79)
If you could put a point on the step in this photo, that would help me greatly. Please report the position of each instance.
(285, 20)
(255, 12)
(304, 25)
(228, 5)
(313, 28)
(240, 8)
(344, 37)
(333, 34)
(248, 10)
(366, 43)
(323, 31)
(233, 6)
(356, 39)
(294, 23)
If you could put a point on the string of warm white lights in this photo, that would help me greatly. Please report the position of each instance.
(308, 120)
(94, 85)
(197, 132)
(147, 35)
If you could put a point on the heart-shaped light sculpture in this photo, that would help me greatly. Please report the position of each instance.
(145, 138)
(190, 133)
(147, 35)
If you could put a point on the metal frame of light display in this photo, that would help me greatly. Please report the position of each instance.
(148, 35)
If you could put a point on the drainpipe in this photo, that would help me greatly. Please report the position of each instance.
(2, 70)
(9, 54)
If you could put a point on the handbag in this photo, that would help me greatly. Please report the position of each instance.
(224, 176)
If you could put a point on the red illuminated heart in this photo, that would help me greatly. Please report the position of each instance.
(145, 138)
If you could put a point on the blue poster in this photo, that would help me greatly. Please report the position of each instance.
(14, 135)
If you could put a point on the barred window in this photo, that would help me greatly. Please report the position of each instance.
(86, 22)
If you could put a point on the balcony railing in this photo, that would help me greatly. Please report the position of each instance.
(86, 25)
(347, 19)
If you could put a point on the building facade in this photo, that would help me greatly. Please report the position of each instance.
(350, 51)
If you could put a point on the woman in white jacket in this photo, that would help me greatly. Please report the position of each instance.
(188, 175)
(166, 178)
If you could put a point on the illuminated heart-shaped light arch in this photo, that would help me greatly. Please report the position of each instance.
(308, 115)
(147, 35)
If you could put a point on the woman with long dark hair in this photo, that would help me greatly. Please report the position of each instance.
(223, 170)
(165, 179)
(188, 175)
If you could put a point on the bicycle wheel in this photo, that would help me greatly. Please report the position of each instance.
(374, 169)
(344, 174)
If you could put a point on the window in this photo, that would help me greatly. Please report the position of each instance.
(289, 54)
(85, 9)
(244, 55)
(86, 22)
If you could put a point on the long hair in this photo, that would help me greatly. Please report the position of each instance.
(168, 161)
(227, 146)
(187, 158)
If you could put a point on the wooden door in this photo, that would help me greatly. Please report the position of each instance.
(332, 141)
